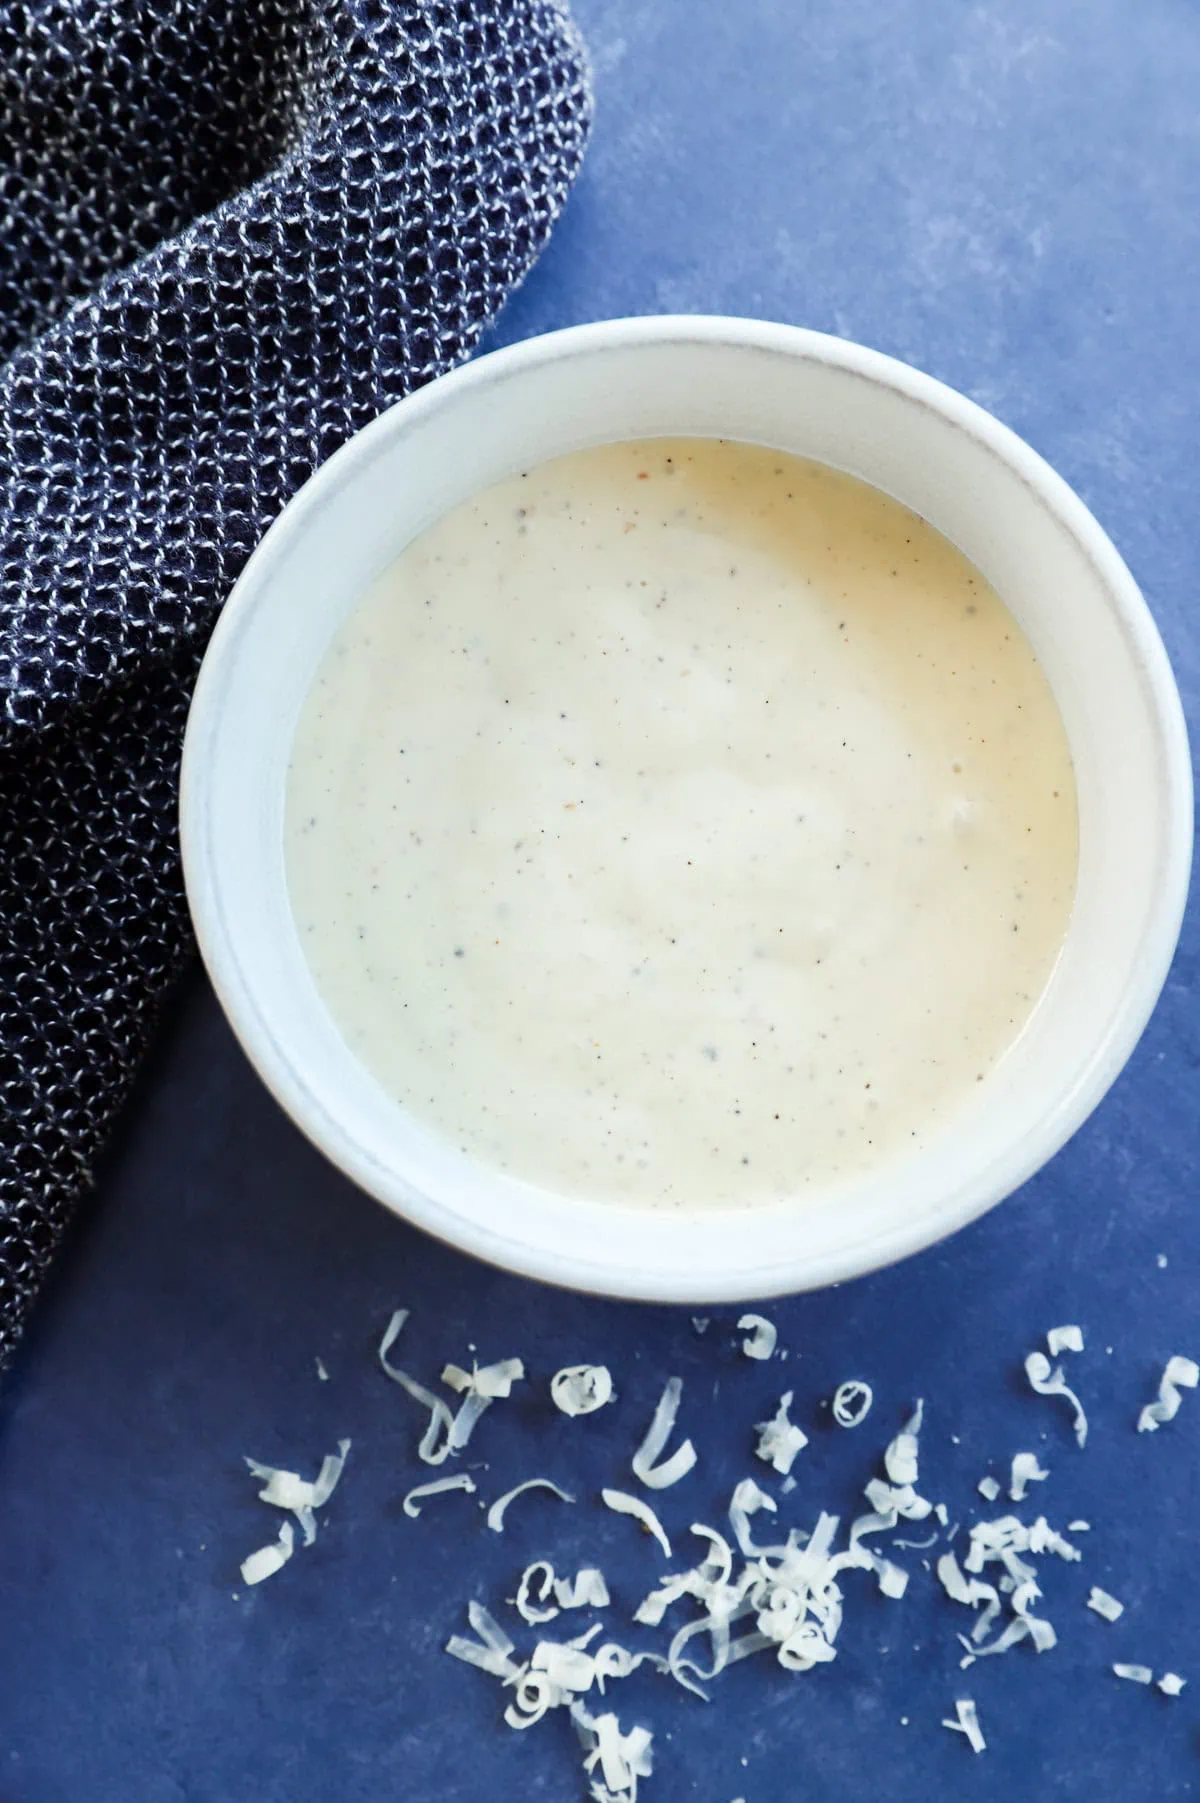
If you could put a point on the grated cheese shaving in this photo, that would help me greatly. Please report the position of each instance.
(897, 1498)
(966, 1721)
(1044, 1539)
(971, 1593)
(1136, 1674)
(919, 1546)
(747, 1500)
(893, 1579)
(1049, 1381)
(760, 1337)
(436, 1486)
(321, 1371)
(701, 1323)
(900, 1459)
(1025, 1471)
(491, 1651)
(586, 1590)
(491, 1381)
(1064, 1339)
(715, 1624)
(1171, 1684)
(988, 1488)
(479, 1388)
(300, 1497)
(567, 1667)
(533, 1612)
(269, 1559)
(581, 1389)
(623, 1504)
(645, 1468)
(613, 1661)
(779, 1440)
(621, 1758)
(433, 1448)
(1105, 1605)
(495, 1515)
(534, 1693)
(852, 1402)
(1181, 1373)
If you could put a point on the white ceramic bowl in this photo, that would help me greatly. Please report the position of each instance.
(798, 391)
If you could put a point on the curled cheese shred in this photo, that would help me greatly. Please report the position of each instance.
(491, 1381)
(966, 1721)
(495, 1515)
(896, 1501)
(535, 1692)
(479, 1388)
(779, 1439)
(491, 1651)
(541, 1574)
(586, 1590)
(1064, 1339)
(1104, 1604)
(970, 1592)
(1181, 1373)
(270, 1559)
(852, 1402)
(1025, 1471)
(435, 1441)
(622, 1758)
(1044, 1539)
(412, 1501)
(900, 1459)
(568, 1667)
(747, 1500)
(1049, 1381)
(681, 1461)
(581, 1389)
(760, 1337)
(298, 1495)
(613, 1661)
(623, 1504)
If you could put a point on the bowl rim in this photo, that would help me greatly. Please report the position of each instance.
(617, 1278)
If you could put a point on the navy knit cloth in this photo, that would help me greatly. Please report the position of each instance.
(231, 231)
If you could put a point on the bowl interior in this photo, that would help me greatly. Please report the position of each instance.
(799, 392)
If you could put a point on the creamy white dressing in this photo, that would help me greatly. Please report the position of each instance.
(683, 823)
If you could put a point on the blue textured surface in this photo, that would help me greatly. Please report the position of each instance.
(1005, 196)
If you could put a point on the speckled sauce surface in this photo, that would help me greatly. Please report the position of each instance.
(683, 823)
(1005, 196)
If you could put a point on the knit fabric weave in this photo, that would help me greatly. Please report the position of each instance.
(231, 231)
